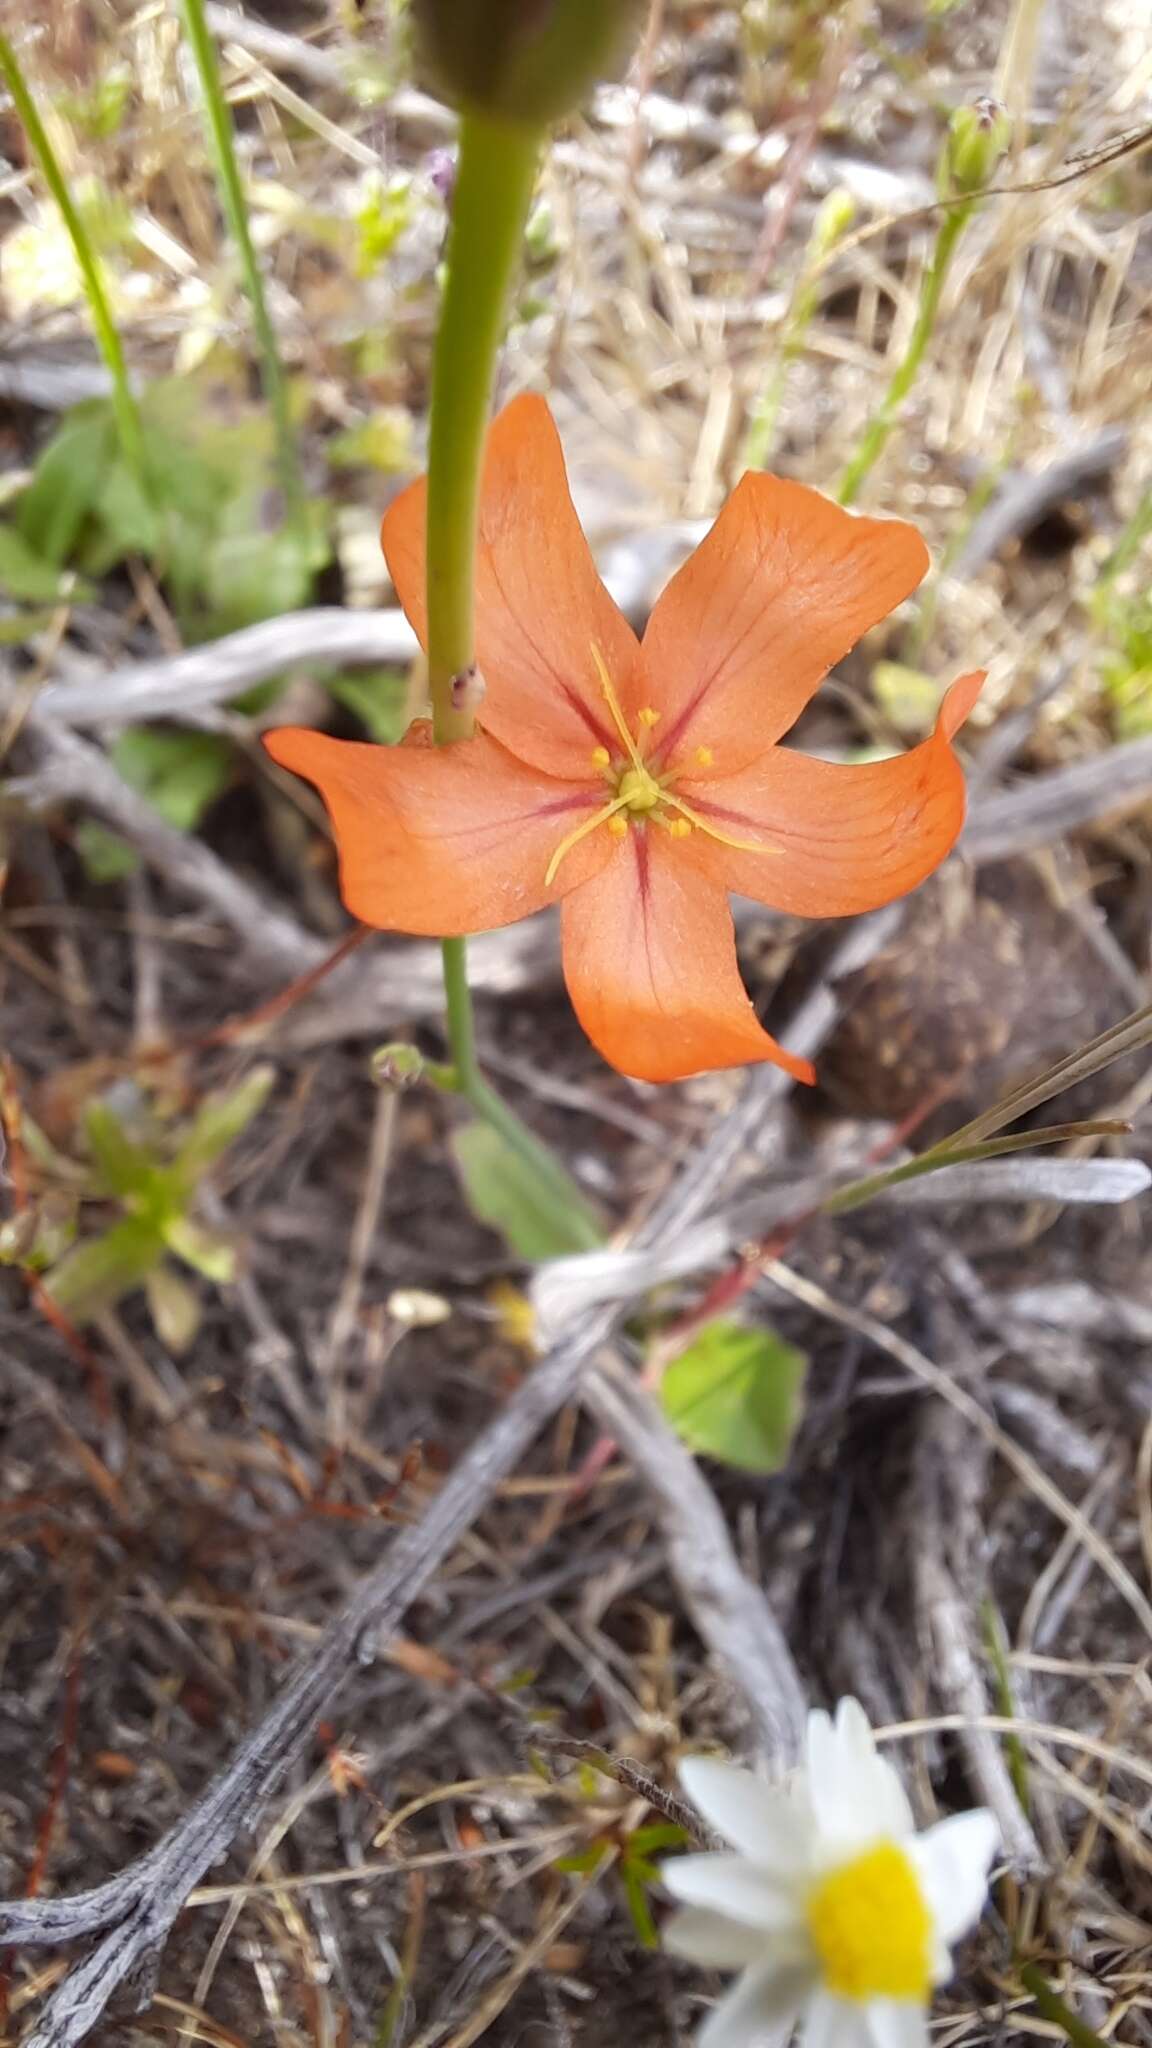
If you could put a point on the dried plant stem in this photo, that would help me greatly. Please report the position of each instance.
(236, 213)
(128, 422)
(904, 377)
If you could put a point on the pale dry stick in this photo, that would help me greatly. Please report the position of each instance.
(729, 1613)
(1027, 1730)
(1059, 1565)
(1025, 1467)
(962, 1684)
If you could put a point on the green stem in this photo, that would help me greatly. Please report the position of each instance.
(128, 422)
(236, 214)
(494, 180)
(1052, 2007)
(495, 175)
(876, 436)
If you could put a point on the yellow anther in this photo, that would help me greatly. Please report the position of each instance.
(649, 717)
(601, 758)
(618, 826)
(871, 1928)
(638, 790)
(680, 828)
(705, 756)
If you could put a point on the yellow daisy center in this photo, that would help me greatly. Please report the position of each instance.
(871, 1928)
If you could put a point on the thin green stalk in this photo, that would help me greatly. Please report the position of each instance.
(1052, 2007)
(236, 213)
(872, 446)
(128, 422)
(494, 179)
(495, 175)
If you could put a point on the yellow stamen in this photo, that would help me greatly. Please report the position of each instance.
(713, 831)
(639, 790)
(679, 828)
(613, 702)
(649, 717)
(607, 811)
(705, 756)
(601, 758)
(871, 1927)
(618, 827)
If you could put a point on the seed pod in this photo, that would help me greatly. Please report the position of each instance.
(526, 61)
(978, 135)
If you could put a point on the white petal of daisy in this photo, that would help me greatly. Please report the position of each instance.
(896, 2023)
(733, 1886)
(857, 1797)
(952, 1860)
(762, 1821)
(832, 2022)
(760, 2011)
(713, 1940)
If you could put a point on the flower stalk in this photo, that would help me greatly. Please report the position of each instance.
(495, 176)
(236, 214)
(875, 439)
(494, 180)
(129, 426)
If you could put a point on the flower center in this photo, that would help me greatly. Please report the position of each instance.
(638, 796)
(638, 791)
(871, 1928)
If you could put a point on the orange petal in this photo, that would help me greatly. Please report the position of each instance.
(779, 590)
(650, 962)
(444, 840)
(838, 839)
(540, 604)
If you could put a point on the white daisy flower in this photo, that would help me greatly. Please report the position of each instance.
(833, 1908)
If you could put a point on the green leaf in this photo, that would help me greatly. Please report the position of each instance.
(219, 1121)
(174, 1308)
(251, 572)
(735, 1394)
(378, 698)
(70, 475)
(513, 1194)
(96, 1275)
(106, 857)
(25, 575)
(207, 1251)
(180, 773)
(125, 1168)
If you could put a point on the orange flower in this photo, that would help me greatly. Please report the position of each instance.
(640, 783)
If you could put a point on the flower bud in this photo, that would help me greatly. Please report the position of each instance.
(527, 61)
(978, 135)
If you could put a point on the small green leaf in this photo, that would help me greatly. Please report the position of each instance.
(515, 1196)
(25, 575)
(106, 857)
(180, 773)
(221, 1118)
(96, 1275)
(69, 478)
(206, 1251)
(640, 1912)
(125, 1168)
(378, 698)
(174, 1308)
(735, 1394)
